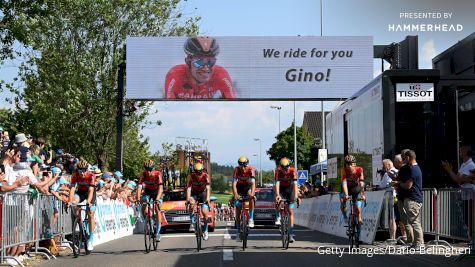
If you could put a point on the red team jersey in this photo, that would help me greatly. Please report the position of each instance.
(180, 84)
(352, 179)
(198, 182)
(83, 183)
(151, 181)
(285, 176)
(243, 177)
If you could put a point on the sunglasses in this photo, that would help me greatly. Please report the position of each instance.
(201, 63)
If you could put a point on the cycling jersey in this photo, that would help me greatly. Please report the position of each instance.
(151, 181)
(352, 179)
(244, 176)
(198, 182)
(83, 182)
(179, 83)
(285, 177)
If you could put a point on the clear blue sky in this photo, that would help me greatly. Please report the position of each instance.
(217, 121)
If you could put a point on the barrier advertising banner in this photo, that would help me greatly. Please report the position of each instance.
(323, 214)
(247, 68)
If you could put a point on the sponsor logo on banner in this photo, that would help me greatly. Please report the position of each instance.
(323, 214)
(414, 92)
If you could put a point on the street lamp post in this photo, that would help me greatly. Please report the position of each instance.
(278, 108)
(260, 160)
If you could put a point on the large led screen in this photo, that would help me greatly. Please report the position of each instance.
(247, 68)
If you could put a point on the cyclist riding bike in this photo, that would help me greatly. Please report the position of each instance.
(83, 188)
(198, 190)
(286, 187)
(151, 183)
(244, 185)
(352, 184)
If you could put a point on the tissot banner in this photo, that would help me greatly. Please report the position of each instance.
(247, 68)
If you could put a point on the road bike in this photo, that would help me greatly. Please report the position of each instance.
(244, 228)
(149, 228)
(353, 227)
(285, 222)
(196, 214)
(80, 228)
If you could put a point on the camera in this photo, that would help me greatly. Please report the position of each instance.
(381, 172)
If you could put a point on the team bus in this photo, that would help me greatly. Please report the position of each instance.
(431, 111)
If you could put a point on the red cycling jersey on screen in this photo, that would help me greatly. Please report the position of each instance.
(285, 176)
(151, 181)
(83, 182)
(180, 84)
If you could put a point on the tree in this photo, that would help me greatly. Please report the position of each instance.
(284, 147)
(70, 72)
(219, 184)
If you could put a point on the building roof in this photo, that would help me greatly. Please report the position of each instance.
(312, 123)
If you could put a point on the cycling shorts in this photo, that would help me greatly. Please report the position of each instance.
(354, 196)
(285, 192)
(200, 198)
(82, 195)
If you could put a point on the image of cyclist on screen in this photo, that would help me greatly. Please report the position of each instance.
(199, 77)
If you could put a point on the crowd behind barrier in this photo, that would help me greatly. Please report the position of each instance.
(27, 220)
(448, 213)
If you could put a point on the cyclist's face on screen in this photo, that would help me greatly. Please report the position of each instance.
(202, 68)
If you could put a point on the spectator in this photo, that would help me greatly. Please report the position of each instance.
(9, 182)
(400, 213)
(23, 145)
(22, 169)
(320, 188)
(410, 182)
(47, 157)
(463, 177)
(385, 184)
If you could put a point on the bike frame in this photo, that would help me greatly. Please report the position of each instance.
(83, 234)
(353, 231)
(149, 231)
(285, 222)
(197, 214)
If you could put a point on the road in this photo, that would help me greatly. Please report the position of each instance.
(311, 249)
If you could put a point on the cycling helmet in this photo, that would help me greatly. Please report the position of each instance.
(350, 159)
(284, 162)
(148, 164)
(198, 167)
(243, 161)
(82, 164)
(201, 47)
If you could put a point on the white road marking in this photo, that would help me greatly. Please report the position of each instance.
(228, 255)
(225, 235)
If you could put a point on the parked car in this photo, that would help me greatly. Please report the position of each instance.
(264, 211)
(175, 214)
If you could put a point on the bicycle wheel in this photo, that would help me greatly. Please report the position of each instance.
(244, 230)
(154, 231)
(357, 233)
(352, 232)
(77, 237)
(147, 233)
(198, 231)
(285, 232)
(85, 234)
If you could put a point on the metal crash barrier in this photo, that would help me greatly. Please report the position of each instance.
(446, 212)
(27, 221)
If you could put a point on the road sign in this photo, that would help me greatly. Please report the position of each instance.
(302, 176)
